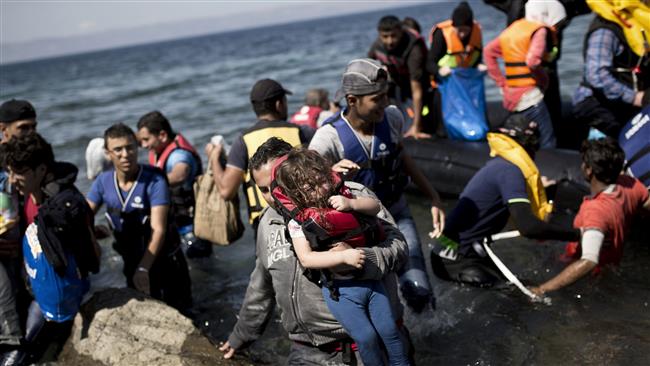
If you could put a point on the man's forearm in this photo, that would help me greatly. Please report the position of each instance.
(569, 275)
(387, 256)
(416, 94)
(155, 244)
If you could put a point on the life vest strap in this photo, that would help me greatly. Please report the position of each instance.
(516, 64)
(638, 155)
(519, 76)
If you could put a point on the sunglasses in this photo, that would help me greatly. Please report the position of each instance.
(264, 190)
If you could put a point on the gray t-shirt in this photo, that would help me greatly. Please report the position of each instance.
(326, 142)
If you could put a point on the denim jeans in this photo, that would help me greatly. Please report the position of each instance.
(539, 114)
(413, 278)
(364, 311)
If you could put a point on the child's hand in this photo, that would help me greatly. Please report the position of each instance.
(353, 257)
(340, 203)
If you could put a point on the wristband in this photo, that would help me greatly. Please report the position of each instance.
(142, 269)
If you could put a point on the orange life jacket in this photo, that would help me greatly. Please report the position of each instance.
(515, 42)
(464, 56)
(307, 116)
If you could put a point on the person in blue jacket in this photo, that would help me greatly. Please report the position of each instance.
(137, 208)
(59, 246)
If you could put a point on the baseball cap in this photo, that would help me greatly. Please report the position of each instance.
(266, 89)
(364, 76)
(16, 110)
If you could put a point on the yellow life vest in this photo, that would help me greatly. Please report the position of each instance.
(253, 139)
(632, 15)
(505, 147)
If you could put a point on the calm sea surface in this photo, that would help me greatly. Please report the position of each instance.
(202, 85)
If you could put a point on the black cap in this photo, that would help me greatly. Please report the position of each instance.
(16, 110)
(462, 15)
(266, 89)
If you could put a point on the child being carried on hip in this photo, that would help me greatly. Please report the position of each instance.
(327, 226)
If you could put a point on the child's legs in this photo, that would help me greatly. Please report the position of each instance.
(383, 321)
(352, 312)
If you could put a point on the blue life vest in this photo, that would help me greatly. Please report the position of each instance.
(59, 297)
(635, 141)
(381, 168)
(129, 216)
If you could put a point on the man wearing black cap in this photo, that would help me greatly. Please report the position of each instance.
(269, 102)
(404, 54)
(509, 185)
(17, 118)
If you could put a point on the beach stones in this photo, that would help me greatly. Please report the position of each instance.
(125, 327)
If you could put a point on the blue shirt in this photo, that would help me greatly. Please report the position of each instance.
(602, 47)
(156, 188)
(183, 156)
(482, 208)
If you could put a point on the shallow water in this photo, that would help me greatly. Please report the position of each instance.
(202, 85)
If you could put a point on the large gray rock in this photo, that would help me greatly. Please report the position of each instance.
(124, 327)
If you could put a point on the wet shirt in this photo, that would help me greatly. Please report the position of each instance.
(482, 208)
(156, 188)
(611, 213)
(183, 156)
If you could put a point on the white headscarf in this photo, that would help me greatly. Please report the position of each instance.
(548, 12)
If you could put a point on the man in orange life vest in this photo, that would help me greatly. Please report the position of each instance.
(456, 42)
(175, 156)
(404, 53)
(525, 47)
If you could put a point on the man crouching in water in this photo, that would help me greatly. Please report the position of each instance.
(508, 186)
(318, 339)
(604, 217)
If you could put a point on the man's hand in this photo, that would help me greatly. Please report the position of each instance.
(354, 257)
(438, 221)
(345, 167)
(340, 203)
(547, 182)
(412, 132)
(638, 99)
(537, 291)
(444, 71)
(141, 281)
(339, 247)
(211, 148)
(227, 350)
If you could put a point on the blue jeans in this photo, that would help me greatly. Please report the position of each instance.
(364, 311)
(413, 278)
(539, 114)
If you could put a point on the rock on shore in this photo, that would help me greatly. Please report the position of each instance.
(124, 327)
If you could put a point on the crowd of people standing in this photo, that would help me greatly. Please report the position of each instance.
(336, 242)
